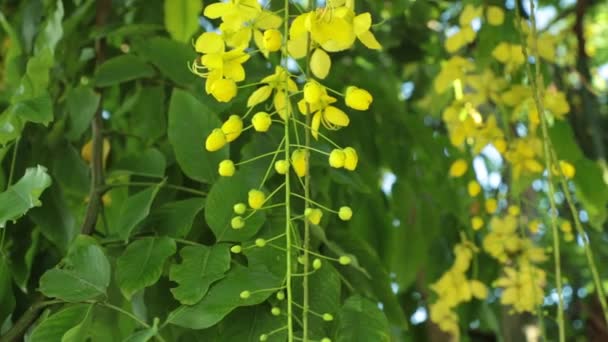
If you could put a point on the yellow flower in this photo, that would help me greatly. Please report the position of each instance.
(522, 156)
(468, 14)
(337, 158)
(320, 63)
(235, 12)
(279, 82)
(357, 98)
(459, 39)
(261, 121)
(451, 70)
(503, 239)
(87, 151)
(477, 222)
(473, 188)
(256, 199)
(281, 166)
(313, 215)
(478, 289)
(259, 95)
(226, 168)
(272, 40)
(495, 15)
(513, 210)
(458, 168)
(232, 128)
(350, 158)
(215, 141)
(345, 213)
(510, 54)
(299, 162)
(491, 205)
(565, 227)
(209, 42)
(534, 226)
(223, 90)
(556, 102)
(313, 92)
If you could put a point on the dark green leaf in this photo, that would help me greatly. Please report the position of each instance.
(84, 274)
(54, 327)
(219, 212)
(176, 218)
(189, 124)
(82, 104)
(361, 320)
(224, 296)
(150, 162)
(122, 69)
(201, 266)
(142, 263)
(170, 57)
(135, 209)
(7, 299)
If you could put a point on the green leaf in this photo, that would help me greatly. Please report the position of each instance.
(170, 57)
(7, 298)
(141, 335)
(247, 324)
(224, 296)
(150, 162)
(361, 320)
(10, 127)
(176, 218)
(218, 208)
(592, 191)
(82, 103)
(181, 18)
(36, 109)
(81, 331)
(122, 69)
(23, 195)
(141, 264)
(201, 266)
(23, 251)
(135, 209)
(55, 219)
(83, 275)
(54, 327)
(189, 124)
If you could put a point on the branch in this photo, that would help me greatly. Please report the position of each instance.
(97, 178)
(17, 331)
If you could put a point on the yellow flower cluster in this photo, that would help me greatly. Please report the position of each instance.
(454, 288)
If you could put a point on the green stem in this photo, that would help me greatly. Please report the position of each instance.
(11, 172)
(536, 82)
(165, 185)
(288, 262)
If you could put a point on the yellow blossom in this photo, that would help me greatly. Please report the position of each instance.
(491, 205)
(473, 188)
(313, 92)
(337, 158)
(215, 141)
(502, 239)
(495, 15)
(357, 98)
(313, 215)
(261, 121)
(281, 166)
(299, 162)
(223, 90)
(510, 54)
(232, 128)
(458, 168)
(226, 168)
(272, 40)
(476, 222)
(350, 158)
(256, 199)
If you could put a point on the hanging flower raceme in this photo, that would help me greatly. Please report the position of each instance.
(320, 106)
(281, 84)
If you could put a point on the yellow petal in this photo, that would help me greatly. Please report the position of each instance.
(268, 20)
(336, 116)
(320, 63)
(362, 23)
(216, 10)
(316, 122)
(369, 40)
(458, 168)
(259, 95)
(209, 42)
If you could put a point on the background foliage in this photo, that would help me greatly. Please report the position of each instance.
(117, 69)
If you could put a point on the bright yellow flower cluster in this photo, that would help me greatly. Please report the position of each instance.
(454, 288)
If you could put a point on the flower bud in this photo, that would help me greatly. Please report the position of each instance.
(280, 295)
(317, 263)
(299, 162)
(245, 294)
(263, 337)
(261, 121)
(223, 90)
(239, 208)
(337, 158)
(260, 242)
(325, 339)
(256, 199)
(344, 260)
(272, 40)
(236, 249)
(226, 168)
(458, 168)
(357, 98)
(336, 116)
(275, 311)
(476, 222)
(232, 128)
(215, 141)
(350, 158)
(328, 317)
(237, 222)
(473, 188)
(312, 92)
(281, 166)
(345, 213)
(313, 215)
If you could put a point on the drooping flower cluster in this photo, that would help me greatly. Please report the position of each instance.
(276, 100)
